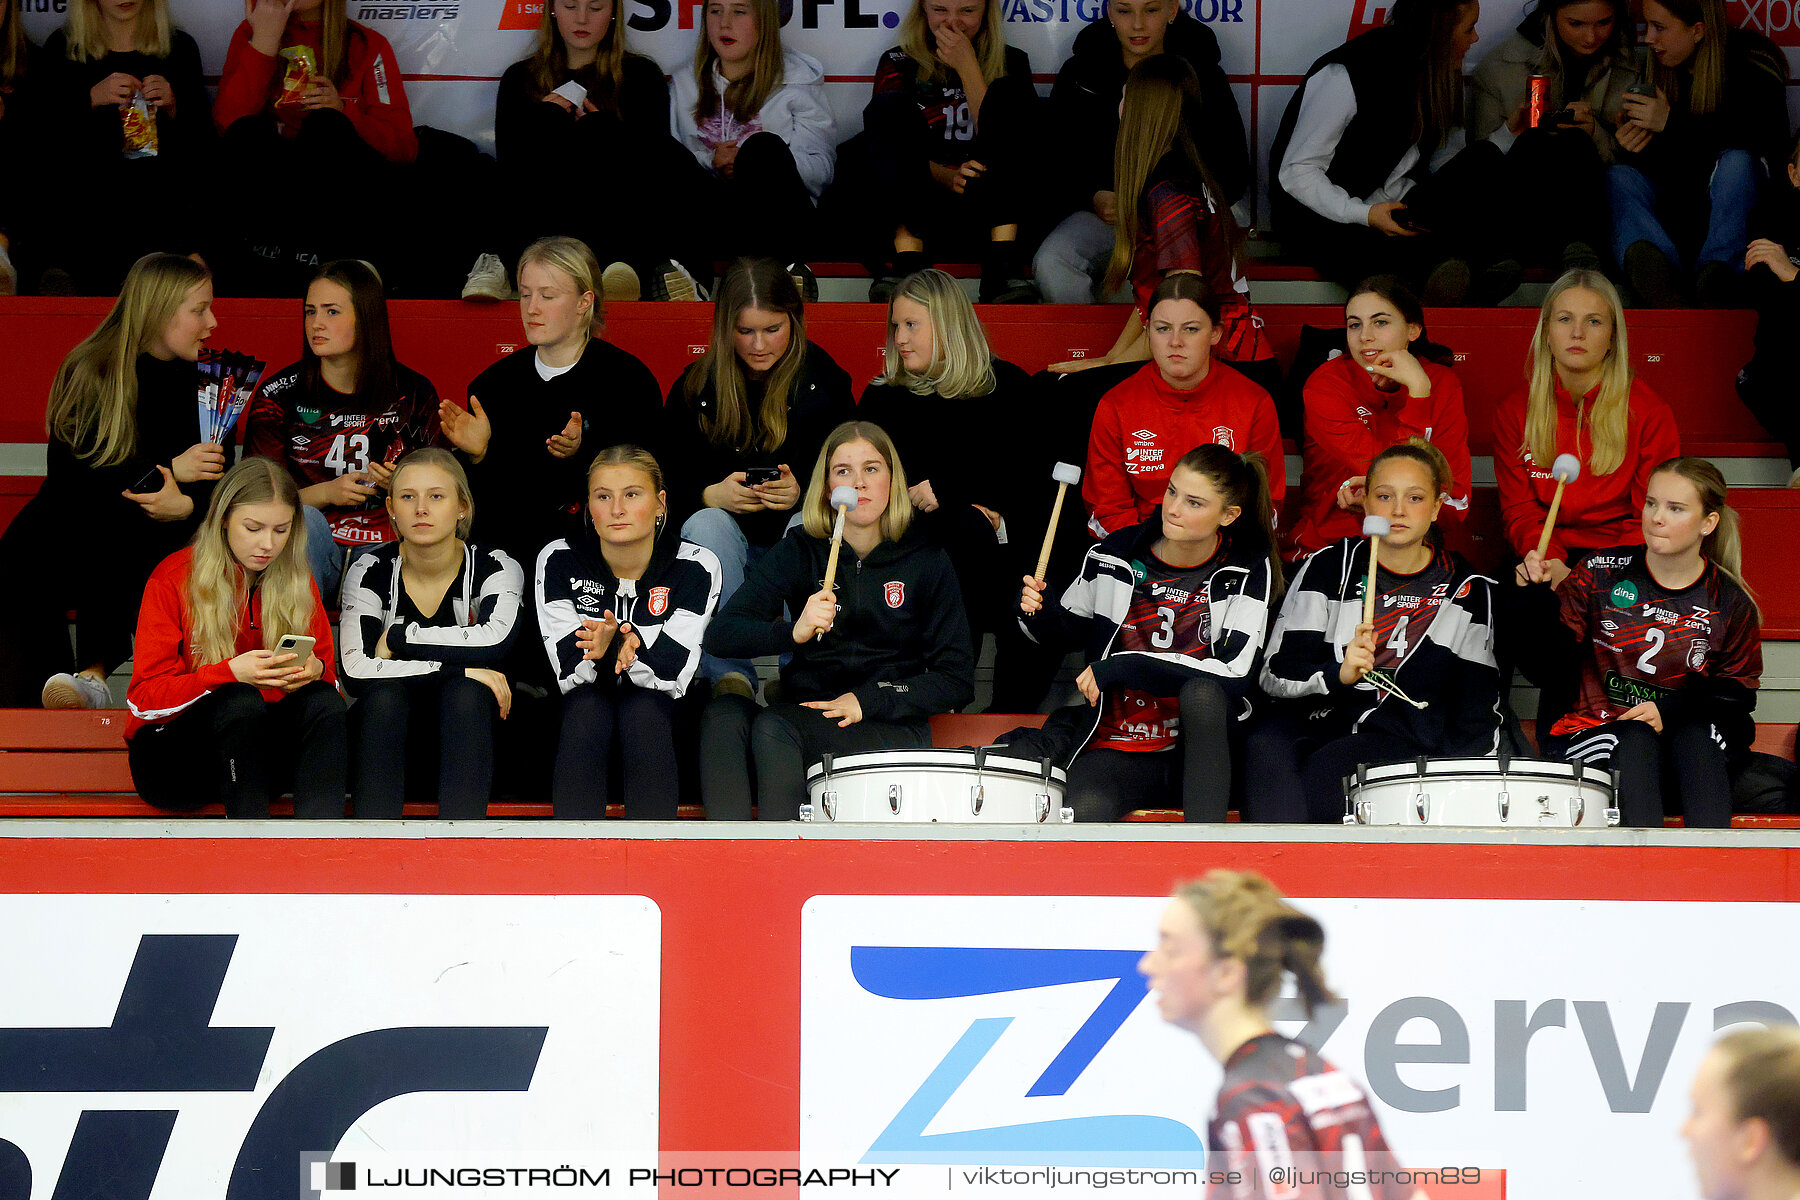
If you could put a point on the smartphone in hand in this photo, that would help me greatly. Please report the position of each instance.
(756, 475)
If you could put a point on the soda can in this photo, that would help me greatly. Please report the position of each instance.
(1540, 88)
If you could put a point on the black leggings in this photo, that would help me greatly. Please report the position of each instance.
(762, 210)
(642, 723)
(233, 746)
(441, 721)
(1691, 760)
(1555, 186)
(1295, 774)
(786, 739)
(905, 194)
(1104, 785)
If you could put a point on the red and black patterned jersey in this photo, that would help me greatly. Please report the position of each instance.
(1649, 642)
(1405, 606)
(1181, 229)
(318, 441)
(1168, 614)
(1282, 1104)
(942, 102)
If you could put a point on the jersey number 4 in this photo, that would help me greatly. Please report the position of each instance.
(349, 452)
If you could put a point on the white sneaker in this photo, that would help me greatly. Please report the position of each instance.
(620, 282)
(487, 279)
(64, 690)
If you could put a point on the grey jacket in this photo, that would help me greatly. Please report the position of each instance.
(1503, 81)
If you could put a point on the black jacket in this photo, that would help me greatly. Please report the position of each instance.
(900, 642)
(1084, 110)
(530, 133)
(963, 468)
(473, 627)
(1752, 115)
(528, 497)
(92, 133)
(819, 402)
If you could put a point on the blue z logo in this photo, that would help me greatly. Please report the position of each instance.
(947, 972)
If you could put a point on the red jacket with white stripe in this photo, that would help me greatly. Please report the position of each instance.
(374, 96)
(165, 680)
(1144, 426)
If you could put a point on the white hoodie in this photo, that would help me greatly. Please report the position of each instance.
(797, 113)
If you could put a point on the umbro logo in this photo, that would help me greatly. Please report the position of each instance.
(1143, 435)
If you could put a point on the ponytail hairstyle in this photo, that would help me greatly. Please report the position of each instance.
(377, 372)
(763, 284)
(550, 60)
(1185, 285)
(449, 464)
(990, 44)
(818, 516)
(1723, 547)
(218, 593)
(743, 98)
(93, 399)
(1245, 918)
(1417, 449)
(85, 32)
(961, 365)
(1158, 118)
(1406, 304)
(1438, 94)
(1605, 425)
(572, 257)
(1242, 481)
(1762, 1078)
(12, 43)
(625, 454)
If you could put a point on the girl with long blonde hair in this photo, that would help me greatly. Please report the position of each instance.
(234, 684)
(952, 141)
(870, 661)
(1700, 149)
(940, 374)
(1666, 640)
(125, 461)
(742, 426)
(755, 118)
(1581, 399)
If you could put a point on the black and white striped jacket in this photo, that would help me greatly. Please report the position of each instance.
(669, 608)
(485, 600)
(1451, 668)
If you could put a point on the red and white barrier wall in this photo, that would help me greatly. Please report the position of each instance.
(213, 1001)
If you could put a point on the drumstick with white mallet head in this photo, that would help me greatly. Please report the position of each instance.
(1374, 528)
(1067, 475)
(843, 499)
(1565, 470)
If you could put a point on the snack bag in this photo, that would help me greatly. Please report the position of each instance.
(140, 128)
(300, 67)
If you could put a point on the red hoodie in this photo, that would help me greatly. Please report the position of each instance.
(374, 97)
(1597, 510)
(164, 677)
(1144, 426)
(1348, 422)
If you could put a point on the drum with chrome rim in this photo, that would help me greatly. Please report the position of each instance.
(1507, 793)
(925, 786)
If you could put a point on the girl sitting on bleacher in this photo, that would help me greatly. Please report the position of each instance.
(1345, 689)
(623, 605)
(1172, 216)
(1372, 166)
(622, 117)
(342, 416)
(762, 398)
(307, 93)
(425, 627)
(1379, 393)
(1668, 642)
(951, 134)
(873, 660)
(755, 117)
(1697, 154)
(1177, 401)
(940, 376)
(1170, 615)
(1581, 399)
(218, 712)
(126, 462)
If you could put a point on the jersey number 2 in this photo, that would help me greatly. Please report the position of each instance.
(1655, 637)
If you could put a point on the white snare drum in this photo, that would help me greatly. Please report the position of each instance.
(1522, 792)
(924, 786)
